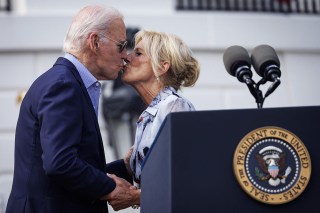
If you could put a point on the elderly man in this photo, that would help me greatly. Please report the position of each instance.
(59, 155)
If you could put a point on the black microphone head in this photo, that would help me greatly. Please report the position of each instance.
(264, 57)
(235, 57)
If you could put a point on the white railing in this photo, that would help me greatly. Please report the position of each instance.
(271, 6)
(5, 186)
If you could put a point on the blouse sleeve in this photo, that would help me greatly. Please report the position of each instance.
(171, 104)
(181, 104)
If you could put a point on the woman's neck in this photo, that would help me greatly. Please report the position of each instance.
(148, 92)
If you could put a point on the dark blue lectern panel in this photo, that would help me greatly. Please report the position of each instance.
(189, 168)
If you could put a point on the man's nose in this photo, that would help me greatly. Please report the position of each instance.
(127, 58)
(124, 53)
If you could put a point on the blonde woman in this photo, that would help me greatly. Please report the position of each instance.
(159, 65)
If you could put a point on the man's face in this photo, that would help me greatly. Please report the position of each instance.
(111, 52)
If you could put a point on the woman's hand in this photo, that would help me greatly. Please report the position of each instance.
(127, 160)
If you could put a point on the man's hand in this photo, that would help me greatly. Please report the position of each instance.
(123, 196)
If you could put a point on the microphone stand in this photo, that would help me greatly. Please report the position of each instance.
(255, 91)
(274, 85)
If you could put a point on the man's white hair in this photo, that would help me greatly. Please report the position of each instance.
(90, 19)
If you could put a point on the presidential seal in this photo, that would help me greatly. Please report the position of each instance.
(272, 165)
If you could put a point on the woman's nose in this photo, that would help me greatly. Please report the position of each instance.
(128, 58)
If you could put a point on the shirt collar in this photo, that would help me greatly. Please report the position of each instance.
(86, 76)
(162, 95)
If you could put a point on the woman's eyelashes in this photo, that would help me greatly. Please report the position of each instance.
(137, 53)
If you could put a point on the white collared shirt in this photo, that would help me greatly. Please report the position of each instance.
(168, 100)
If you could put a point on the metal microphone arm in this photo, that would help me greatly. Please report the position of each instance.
(254, 90)
(273, 86)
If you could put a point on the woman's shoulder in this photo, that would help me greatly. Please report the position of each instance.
(176, 102)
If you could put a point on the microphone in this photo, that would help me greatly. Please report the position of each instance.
(237, 63)
(266, 63)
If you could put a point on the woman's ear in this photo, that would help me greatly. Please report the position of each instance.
(165, 65)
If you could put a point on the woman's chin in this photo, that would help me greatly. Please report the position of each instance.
(124, 78)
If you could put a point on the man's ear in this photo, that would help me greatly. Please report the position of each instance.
(165, 65)
(93, 42)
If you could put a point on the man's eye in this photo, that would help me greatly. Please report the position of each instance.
(121, 47)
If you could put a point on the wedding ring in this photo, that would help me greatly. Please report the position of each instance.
(135, 206)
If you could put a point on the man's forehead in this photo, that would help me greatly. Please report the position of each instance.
(117, 27)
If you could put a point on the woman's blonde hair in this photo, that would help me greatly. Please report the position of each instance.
(184, 68)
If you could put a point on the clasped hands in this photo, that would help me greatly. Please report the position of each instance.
(124, 195)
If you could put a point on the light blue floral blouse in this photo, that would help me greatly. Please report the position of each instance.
(168, 100)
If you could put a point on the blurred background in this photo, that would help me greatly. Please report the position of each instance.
(32, 33)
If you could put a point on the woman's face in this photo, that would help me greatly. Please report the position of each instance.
(138, 68)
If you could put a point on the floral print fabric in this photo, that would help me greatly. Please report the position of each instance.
(168, 100)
